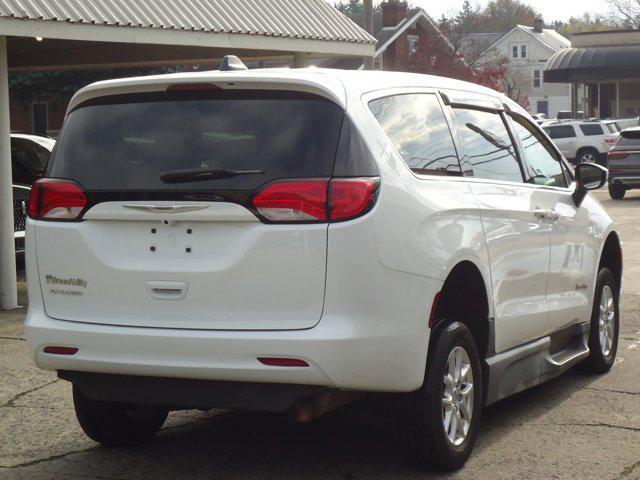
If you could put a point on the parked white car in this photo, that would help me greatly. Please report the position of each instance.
(286, 240)
(583, 141)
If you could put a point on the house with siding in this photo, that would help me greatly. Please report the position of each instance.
(527, 49)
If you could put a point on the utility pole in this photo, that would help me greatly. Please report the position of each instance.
(368, 26)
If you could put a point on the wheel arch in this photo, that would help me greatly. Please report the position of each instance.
(611, 256)
(465, 298)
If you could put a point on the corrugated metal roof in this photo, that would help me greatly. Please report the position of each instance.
(304, 19)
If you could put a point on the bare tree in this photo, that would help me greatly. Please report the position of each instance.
(626, 13)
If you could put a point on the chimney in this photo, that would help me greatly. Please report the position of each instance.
(538, 25)
(393, 12)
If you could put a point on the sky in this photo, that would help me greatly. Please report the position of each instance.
(550, 9)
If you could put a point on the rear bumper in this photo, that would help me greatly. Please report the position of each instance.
(19, 242)
(631, 180)
(185, 393)
(338, 353)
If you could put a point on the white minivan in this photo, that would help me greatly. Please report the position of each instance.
(288, 240)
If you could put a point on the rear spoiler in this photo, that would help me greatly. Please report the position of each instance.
(631, 133)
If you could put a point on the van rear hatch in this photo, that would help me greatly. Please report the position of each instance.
(189, 252)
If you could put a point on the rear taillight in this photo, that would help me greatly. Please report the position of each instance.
(339, 199)
(618, 154)
(610, 140)
(293, 201)
(54, 199)
(351, 197)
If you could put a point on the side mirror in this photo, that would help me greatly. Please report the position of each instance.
(589, 176)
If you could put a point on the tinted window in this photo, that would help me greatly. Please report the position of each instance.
(629, 138)
(30, 154)
(544, 165)
(418, 128)
(353, 158)
(488, 147)
(125, 143)
(561, 131)
(591, 130)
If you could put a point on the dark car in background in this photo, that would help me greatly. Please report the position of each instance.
(623, 162)
(29, 159)
(20, 204)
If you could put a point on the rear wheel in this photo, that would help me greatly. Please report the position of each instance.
(438, 424)
(605, 323)
(617, 191)
(588, 155)
(116, 424)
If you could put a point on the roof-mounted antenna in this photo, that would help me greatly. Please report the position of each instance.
(231, 63)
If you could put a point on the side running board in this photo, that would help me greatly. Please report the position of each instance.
(522, 367)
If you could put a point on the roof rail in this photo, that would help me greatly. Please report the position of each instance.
(232, 63)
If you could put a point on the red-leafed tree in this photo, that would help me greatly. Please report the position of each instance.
(435, 55)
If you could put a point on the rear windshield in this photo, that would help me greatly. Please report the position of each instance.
(630, 138)
(123, 143)
(613, 128)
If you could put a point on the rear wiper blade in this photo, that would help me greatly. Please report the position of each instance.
(203, 174)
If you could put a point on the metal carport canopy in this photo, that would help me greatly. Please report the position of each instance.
(135, 33)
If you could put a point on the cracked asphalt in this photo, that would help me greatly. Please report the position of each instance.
(574, 427)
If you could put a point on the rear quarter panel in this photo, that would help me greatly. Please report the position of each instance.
(423, 226)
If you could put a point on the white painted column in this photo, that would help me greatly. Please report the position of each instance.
(299, 60)
(8, 287)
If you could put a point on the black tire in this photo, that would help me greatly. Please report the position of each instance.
(598, 362)
(420, 429)
(588, 155)
(617, 191)
(113, 424)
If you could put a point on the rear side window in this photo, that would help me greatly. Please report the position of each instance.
(591, 130)
(124, 143)
(488, 147)
(419, 130)
(560, 131)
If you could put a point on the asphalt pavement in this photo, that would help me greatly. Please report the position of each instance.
(577, 426)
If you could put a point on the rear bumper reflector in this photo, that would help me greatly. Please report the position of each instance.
(282, 362)
(60, 350)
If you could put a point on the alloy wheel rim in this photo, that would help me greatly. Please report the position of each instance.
(606, 321)
(588, 158)
(457, 396)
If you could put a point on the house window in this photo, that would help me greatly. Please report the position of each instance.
(519, 50)
(413, 43)
(537, 78)
(543, 107)
(40, 118)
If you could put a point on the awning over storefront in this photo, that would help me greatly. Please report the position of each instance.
(594, 64)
